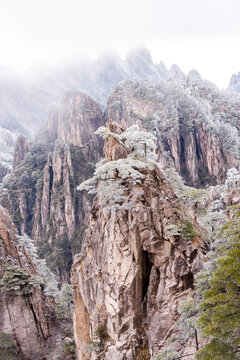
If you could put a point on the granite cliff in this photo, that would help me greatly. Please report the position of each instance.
(134, 270)
(197, 131)
(143, 243)
(197, 126)
(27, 314)
(41, 193)
(25, 100)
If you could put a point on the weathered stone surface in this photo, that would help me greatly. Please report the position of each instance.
(21, 149)
(62, 211)
(113, 150)
(186, 140)
(132, 274)
(79, 117)
(53, 211)
(30, 319)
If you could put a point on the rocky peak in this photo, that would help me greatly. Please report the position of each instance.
(195, 73)
(139, 64)
(79, 117)
(46, 204)
(162, 70)
(175, 71)
(134, 270)
(234, 84)
(197, 136)
(21, 149)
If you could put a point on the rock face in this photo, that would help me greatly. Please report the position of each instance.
(24, 103)
(61, 211)
(132, 274)
(21, 149)
(44, 201)
(197, 126)
(113, 150)
(76, 120)
(28, 318)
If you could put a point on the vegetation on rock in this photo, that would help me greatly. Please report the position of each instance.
(114, 178)
(219, 316)
(8, 347)
(17, 279)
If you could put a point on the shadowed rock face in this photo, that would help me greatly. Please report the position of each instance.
(132, 274)
(29, 318)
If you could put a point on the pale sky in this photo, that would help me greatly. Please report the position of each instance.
(199, 34)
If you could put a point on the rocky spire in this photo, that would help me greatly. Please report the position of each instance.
(21, 149)
(135, 267)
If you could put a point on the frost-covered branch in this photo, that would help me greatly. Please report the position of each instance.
(112, 179)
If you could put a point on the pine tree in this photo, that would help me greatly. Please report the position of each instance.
(219, 318)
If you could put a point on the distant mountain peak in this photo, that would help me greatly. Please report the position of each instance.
(234, 84)
(175, 71)
(140, 52)
(194, 73)
(235, 79)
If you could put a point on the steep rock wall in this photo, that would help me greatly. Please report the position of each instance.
(41, 193)
(132, 273)
(183, 116)
(28, 318)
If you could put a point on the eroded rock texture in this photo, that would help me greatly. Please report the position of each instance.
(132, 274)
(41, 194)
(196, 125)
(29, 318)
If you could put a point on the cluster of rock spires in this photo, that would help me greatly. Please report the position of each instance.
(131, 272)
(25, 100)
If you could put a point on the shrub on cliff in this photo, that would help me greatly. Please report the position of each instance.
(8, 347)
(15, 279)
(44, 273)
(64, 301)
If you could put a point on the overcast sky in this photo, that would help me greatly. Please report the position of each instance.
(200, 34)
